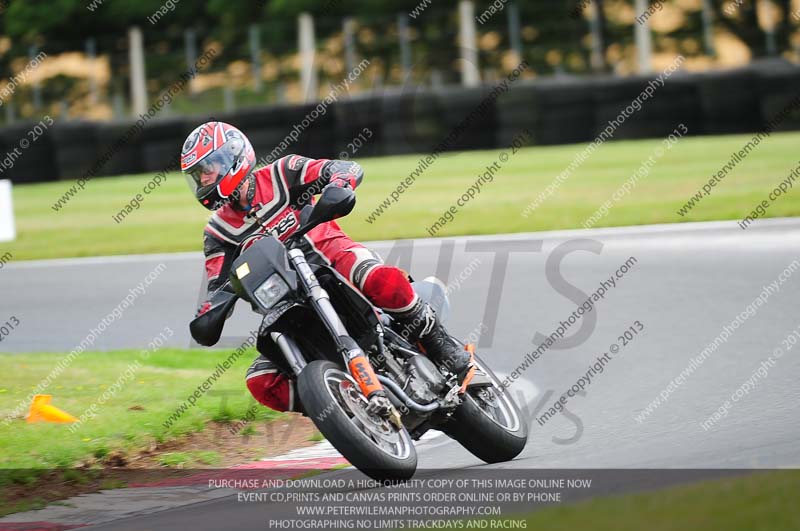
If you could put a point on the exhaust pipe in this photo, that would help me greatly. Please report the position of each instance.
(407, 400)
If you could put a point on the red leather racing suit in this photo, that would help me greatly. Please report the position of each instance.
(281, 190)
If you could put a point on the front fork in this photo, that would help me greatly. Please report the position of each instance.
(354, 358)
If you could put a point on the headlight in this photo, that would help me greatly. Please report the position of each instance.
(271, 291)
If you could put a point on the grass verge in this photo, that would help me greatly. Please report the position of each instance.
(169, 219)
(130, 420)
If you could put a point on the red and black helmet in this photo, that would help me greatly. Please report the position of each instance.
(216, 158)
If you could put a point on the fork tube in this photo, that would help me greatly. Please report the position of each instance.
(355, 360)
(319, 297)
(290, 351)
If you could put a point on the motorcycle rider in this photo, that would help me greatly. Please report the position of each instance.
(218, 162)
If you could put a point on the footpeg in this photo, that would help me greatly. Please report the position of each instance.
(452, 393)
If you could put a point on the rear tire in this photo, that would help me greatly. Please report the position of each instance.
(491, 440)
(330, 398)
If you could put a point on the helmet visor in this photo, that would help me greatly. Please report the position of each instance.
(204, 176)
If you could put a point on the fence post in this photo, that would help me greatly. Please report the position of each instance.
(405, 45)
(117, 104)
(708, 27)
(33, 51)
(514, 32)
(136, 59)
(10, 114)
(348, 30)
(190, 51)
(470, 75)
(228, 99)
(308, 72)
(255, 56)
(91, 54)
(598, 57)
(767, 15)
(643, 39)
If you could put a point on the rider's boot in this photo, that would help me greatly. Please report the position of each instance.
(419, 324)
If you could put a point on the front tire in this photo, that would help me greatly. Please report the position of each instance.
(333, 401)
(488, 423)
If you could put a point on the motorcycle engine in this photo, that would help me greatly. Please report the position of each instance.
(426, 381)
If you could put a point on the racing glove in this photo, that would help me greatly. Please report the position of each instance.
(342, 180)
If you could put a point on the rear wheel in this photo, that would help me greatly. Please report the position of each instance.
(488, 422)
(334, 402)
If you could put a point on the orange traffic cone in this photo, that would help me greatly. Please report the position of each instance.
(41, 410)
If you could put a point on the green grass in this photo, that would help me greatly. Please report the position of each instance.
(131, 420)
(170, 219)
(187, 459)
(765, 501)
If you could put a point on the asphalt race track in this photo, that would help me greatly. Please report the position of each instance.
(686, 284)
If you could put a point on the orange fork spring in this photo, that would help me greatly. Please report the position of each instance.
(363, 373)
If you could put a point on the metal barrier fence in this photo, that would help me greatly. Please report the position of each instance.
(554, 110)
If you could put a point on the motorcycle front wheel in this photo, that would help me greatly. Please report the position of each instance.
(334, 402)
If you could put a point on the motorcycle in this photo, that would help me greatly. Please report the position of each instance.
(367, 389)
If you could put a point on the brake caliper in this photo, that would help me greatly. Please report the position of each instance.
(381, 406)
